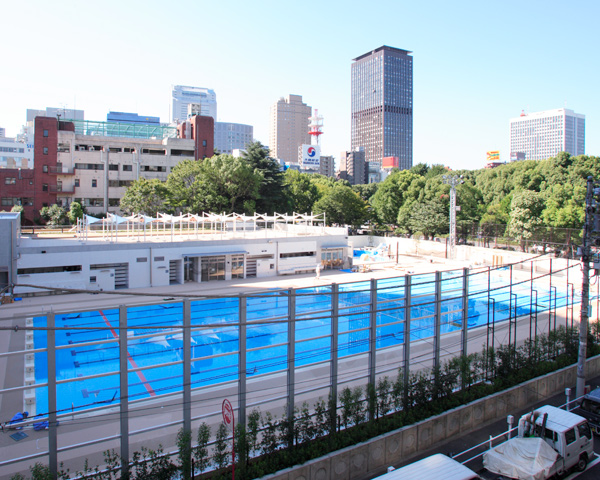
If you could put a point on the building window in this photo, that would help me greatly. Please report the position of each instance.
(127, 168)
(76, 182)
(45, 133)
(10, 181)
(204, 143)
(45, 169)
(113, 166)
(94, 183)
(44, 187)
(45, 150)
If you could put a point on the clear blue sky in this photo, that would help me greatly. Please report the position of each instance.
(476, 63)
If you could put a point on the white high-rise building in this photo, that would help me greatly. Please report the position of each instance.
(232, 136)
(56, 112)
(289, 128)
(183, 96)
(540, 135)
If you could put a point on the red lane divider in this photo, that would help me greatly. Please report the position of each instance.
(140, 374)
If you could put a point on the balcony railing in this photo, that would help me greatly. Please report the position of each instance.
(61, 171)
(61, 189)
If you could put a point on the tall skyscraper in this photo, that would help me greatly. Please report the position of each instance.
(289, 127)
(183, 96)
(382, 105)
(540, 135)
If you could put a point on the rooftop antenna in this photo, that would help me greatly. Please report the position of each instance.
(315, 127)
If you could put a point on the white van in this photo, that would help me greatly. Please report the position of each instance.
(435, 467)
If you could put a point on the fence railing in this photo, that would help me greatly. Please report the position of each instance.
(129, 375)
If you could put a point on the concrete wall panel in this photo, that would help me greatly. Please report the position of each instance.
(340, 465)
(393, 447)
(359, 462)
(425, 434)
(409, 441)
(466, 418)
(377, 451)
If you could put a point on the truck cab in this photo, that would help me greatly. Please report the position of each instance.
(567, 433)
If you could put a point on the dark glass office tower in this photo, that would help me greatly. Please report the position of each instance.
(382, 105)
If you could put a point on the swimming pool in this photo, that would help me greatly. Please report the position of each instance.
(87, 341)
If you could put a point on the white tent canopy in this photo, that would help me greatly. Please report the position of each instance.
(195, 224)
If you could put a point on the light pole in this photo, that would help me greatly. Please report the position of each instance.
(453, 181)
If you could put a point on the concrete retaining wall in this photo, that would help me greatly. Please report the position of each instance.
(374, 456)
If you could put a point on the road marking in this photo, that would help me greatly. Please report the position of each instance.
(139, 373)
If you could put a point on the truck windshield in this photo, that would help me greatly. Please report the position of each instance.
(584, 430)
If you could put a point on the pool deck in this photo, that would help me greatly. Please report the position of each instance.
(407, 264)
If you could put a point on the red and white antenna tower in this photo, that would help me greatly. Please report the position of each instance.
(315, 127)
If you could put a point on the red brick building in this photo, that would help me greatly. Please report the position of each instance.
(202, 131)
(51, 182)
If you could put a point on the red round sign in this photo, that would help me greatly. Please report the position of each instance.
(228, 417)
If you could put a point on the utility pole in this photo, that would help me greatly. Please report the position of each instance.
(591, 206)
(453, 181)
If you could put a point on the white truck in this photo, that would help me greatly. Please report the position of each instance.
(550, 442)
(435, 467)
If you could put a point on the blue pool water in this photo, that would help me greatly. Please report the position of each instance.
(215, 337)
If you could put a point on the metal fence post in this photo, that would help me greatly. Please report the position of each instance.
(187, 366)
(243, 309)
(291, 360)
(52, 432)
(465, 302)
(373, 333)
(407, 307)
(124, 391)
(335, 312)
(437, 322)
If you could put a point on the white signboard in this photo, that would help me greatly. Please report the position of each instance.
(311, 155)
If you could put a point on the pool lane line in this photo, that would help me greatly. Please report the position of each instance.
(139, 373)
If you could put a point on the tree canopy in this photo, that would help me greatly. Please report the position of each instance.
(520, 195)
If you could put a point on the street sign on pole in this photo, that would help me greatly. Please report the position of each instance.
(229, 420)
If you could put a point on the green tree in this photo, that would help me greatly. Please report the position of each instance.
(431, 218)
(342, 206)
(525, 215)
(302, 192)
(184, 185)
(391, 195)
(366, 191)
(201, 450)
(75, 211)
(564, 206)
(221, 450)
(217, 184)
(147, 197)
(230, 184)
(54, 215)
(419, 169)
(184, 444)
(272, 195)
